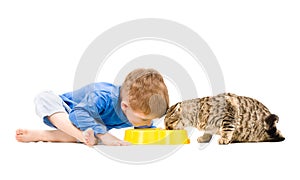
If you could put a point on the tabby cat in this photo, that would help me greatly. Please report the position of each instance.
(234, 118)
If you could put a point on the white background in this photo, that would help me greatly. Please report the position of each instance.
(256, 44)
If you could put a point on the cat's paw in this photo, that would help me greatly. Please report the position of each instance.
(204, 139)
(224, 141)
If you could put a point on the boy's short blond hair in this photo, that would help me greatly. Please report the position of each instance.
(146, 92)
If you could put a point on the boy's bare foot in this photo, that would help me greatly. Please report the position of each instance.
(89, 138)
(24, 135)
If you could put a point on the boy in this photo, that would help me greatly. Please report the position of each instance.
(87, 114)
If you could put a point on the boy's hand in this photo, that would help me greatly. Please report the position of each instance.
(110, 140)
(89, 138)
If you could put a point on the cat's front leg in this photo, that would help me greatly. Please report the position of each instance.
(226, 131)
(206, 137)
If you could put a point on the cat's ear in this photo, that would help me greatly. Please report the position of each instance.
(173, 108)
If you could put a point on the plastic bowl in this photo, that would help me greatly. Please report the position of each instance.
(155, 136)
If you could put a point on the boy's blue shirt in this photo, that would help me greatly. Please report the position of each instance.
(96, 106)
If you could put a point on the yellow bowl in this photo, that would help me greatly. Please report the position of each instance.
(156, 136)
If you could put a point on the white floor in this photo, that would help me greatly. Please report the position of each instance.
(68, 160)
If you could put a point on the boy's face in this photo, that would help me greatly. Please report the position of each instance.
(136, 118)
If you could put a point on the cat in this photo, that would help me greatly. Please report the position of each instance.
(235, 118)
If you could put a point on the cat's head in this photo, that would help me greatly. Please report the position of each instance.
(173, 117)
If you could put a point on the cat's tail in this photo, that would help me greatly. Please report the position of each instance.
(271, 130)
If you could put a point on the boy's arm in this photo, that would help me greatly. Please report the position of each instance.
(109, 139)
(83, 121)
(85, 113)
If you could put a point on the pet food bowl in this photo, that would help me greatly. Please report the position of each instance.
(156, 136)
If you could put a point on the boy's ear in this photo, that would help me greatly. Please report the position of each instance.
(124, 105)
